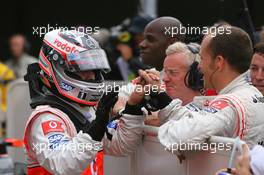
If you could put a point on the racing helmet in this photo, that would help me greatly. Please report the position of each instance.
(64, 54)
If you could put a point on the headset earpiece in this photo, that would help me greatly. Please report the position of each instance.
(194, 78)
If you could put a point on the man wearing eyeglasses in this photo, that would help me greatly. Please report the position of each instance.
(178, 65)
(236, 111)
(152, 50)
(180, 74)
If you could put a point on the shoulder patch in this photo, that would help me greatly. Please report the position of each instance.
(210, 110)
(192, 107)
(219, 104)
(51, 126)
(55, 140)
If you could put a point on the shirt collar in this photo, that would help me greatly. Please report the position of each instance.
(237, 82)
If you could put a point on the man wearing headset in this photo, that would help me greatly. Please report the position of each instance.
(152, 50)
(236, 111)
(180, 74)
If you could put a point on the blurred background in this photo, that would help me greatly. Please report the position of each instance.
(120, 24)
(21, 16)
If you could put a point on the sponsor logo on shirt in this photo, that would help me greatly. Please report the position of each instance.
(55, 140)
(219, 104)
(210, 110)
(51, 126)
(192, 107)
(261, 143)
(257, 99)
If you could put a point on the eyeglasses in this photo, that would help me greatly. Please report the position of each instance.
(172, 72)
(169, 72)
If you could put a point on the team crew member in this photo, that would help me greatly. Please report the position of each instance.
(236, 111)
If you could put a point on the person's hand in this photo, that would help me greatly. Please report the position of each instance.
(137, 95)
(157, 98)
(151, 78)
(134, 103)
(105, 104)
(152, 119)
(153, 71)
(243, 162)
(98, 126)
(120, 104)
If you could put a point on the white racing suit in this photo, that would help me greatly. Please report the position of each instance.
(54, 147)
(238, 110)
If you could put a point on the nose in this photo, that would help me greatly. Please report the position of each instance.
(260, 75)
(142, 44)
(165, 77)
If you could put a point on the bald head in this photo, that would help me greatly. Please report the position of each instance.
(166, 22)
(156, 40)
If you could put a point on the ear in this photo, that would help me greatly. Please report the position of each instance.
(220, 62)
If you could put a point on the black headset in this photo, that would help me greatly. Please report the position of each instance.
(194, 78)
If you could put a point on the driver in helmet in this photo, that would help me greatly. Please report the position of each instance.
(65, 132)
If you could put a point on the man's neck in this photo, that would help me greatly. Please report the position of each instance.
(189, 97)
(225, 79)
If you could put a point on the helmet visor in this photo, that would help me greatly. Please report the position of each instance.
(88, 60)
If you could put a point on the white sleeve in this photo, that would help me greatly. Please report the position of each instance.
(56, 150)
(172, 111)
(126, 137)
(195, 126)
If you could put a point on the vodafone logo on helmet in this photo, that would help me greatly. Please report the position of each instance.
(65, 47)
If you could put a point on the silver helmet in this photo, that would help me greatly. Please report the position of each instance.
(63, 55)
